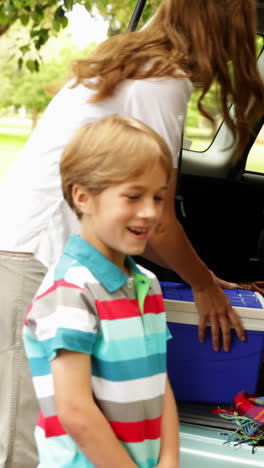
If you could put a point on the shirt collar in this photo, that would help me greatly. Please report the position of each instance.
(109, 274)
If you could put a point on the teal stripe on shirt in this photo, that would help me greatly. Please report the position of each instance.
(129, 369)
(114, 371)
(134, 327)
(78, 461)
(142, 448)
(72, 340)
(132, 348)
(68, 455)
(71, 457)
(149, 463)
(65, 443)
(39, 366)
(32, 347)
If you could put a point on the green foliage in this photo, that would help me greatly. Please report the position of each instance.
(45, 19)
(33, 91)
(32, 65)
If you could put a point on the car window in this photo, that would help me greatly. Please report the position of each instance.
(255, 160)
(199, 132)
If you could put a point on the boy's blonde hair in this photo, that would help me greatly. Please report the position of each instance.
(108, 152)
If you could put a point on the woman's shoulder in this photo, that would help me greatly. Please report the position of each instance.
(162, 86)
(159, 95)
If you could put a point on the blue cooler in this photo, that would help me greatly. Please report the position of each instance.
(198, 373)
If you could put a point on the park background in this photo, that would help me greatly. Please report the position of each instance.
(36, 53)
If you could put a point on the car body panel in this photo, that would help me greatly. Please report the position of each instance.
(203, 447)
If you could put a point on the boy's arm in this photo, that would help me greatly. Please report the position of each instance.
(169, 453)
(170, 246)
(80, 416)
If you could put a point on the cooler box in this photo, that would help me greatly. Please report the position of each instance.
(198, 373)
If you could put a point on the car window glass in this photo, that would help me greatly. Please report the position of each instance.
(255, 160)
(199, 132)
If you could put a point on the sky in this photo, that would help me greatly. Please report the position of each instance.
(85, 28)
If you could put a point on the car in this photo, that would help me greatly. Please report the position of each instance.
(221, 206)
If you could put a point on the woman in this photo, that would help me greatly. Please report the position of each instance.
(147, 75)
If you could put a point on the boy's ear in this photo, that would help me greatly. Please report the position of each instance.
(80, 198)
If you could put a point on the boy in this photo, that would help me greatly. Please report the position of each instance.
(95, 335)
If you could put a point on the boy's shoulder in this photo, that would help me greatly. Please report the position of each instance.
(67, 272)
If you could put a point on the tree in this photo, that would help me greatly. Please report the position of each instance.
(44, 19)
(21, 88)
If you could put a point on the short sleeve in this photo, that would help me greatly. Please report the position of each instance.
(161, 104)
(64, 317)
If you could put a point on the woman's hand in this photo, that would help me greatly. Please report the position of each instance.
(224, 284)
(214, 307)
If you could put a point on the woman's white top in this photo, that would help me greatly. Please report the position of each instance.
(34, 216)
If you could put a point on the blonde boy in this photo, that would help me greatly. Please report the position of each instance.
(96, 333)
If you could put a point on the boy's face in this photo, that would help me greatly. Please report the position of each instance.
(121, 219)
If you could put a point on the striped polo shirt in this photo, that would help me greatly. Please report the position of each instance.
(87, 304)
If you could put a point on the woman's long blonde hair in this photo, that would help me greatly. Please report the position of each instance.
(201, 38)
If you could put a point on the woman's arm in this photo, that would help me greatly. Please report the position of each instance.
(169, 453)
(80, 416)
(170, 243)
